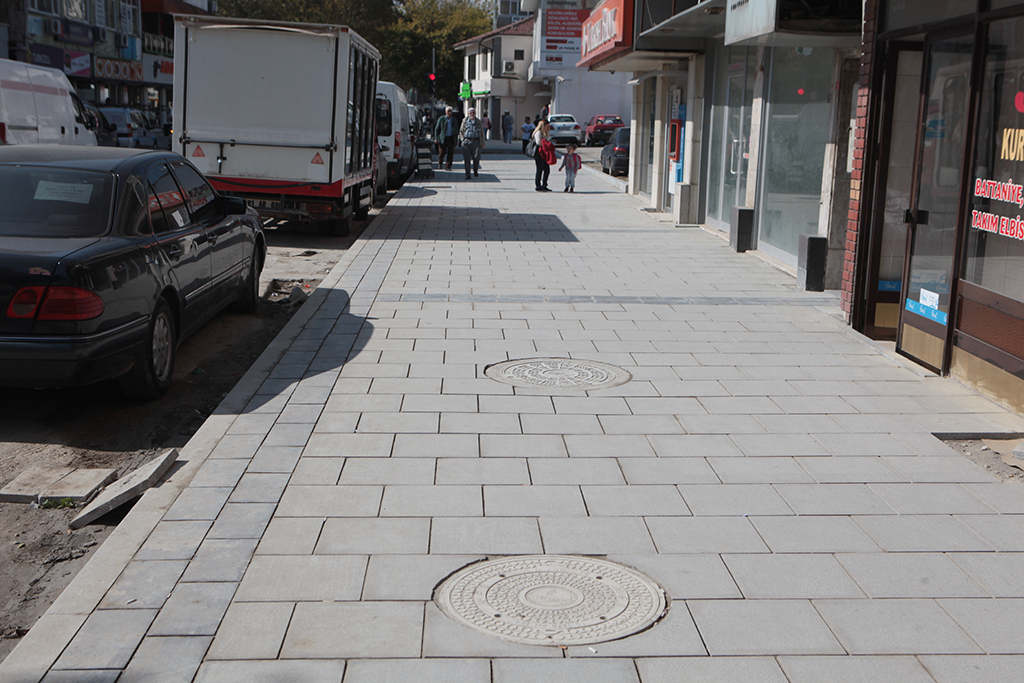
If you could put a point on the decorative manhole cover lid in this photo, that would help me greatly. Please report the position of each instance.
(552, 599)
(558, 373)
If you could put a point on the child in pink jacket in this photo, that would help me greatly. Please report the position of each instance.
(572, 163)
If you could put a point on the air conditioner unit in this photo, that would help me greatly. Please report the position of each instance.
(121, 40)
(101, 35)
(509, 67)
(53, 27)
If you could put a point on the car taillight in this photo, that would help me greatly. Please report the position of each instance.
(620, 150)
(55, 303)
(575, 127)
(3, 133)
(398, 143)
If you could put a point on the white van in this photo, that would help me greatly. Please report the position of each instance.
(394, 132)
(39, 105)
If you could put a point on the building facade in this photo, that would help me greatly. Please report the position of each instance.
(935, 242)
(115, 52)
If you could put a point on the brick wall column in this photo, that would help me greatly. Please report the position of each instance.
(855, 225)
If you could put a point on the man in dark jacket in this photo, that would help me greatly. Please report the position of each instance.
(445, 133)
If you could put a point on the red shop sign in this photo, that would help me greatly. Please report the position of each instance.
(608, 29)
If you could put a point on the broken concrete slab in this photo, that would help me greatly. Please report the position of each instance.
(79, 485)
(26, 486)
(131, 486)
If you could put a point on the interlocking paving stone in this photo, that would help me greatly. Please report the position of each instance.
(311, 671)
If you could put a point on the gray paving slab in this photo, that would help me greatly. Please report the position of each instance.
(367, 536)
(533, 501)
(193, 609)
(354, 629)
(309, 671)
(994, 669)
(762, 627)
(292, 578)
(564, 671)
(220, 560)
(993, 624)
(410, 577)
(851, 669)
(895, 627)
(489, 535)
(801, 576)
(709, 670)
(922, 575)
(445, 638)
(107, 639)
(251, 630)
(705, 535)
(330, 501)
(144, 585)
(418, 670)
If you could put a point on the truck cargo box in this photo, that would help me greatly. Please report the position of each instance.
(279, 113)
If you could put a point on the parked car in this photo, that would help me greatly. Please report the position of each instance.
(565, 129)
(106, 132)
(394, 133)
(38, 105)
(111, 257)
(615, 155)
(132, 128)
(600, 128)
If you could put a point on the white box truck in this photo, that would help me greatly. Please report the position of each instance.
(38, 105)
(280, 114)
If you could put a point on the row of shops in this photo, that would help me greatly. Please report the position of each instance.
(115, 52)
(886, 134)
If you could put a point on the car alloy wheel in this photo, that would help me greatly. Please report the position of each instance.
(150, 376)
(163, 340)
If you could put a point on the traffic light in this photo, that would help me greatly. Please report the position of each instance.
(433, 82)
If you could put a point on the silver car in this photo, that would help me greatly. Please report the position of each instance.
(565, 129)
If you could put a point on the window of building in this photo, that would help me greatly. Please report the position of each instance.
(106, 13)
(471, 74)
(995, 243)
(519, 54)
(129, 17)
(907, 13)
(508, 7)
(75, 10)
(796, 133)
(43, 6)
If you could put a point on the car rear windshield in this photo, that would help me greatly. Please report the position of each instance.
(609, 119)
(53, 202)
(564, 118)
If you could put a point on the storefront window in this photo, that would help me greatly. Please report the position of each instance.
(995, 247)
(796, 132)
(730, 130)
(646, 139)
(906, 13)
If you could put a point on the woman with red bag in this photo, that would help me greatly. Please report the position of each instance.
(545, 155)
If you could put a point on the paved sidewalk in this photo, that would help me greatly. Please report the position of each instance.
(774, 471)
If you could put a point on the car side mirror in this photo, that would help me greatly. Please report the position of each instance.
(234, 206)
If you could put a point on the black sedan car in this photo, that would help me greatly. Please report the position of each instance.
(615, 155)
(108, 259)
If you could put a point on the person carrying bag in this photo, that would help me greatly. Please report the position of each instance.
(543, 155)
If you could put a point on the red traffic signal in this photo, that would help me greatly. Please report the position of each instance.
(431, 77)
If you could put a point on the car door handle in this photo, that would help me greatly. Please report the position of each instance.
(212, 237)
(175, 251)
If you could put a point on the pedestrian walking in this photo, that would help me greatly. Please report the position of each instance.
(572, 163)
(486, 121)
(444, 136)
(527, 129)
(545, 155)
(471, 133)
(508, 124)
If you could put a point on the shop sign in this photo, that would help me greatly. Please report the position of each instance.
(79, 34)
(562, 33)
(77, 63)
(118, 70)
(158, 69)
(466, 91)
(608, 29)
(46, 55)
(745, 19)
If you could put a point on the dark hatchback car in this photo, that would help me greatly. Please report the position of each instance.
(108, 259)
(601, 128)
(615, 155)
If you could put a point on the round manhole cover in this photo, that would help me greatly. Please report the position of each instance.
(552, 599)
(558, 373)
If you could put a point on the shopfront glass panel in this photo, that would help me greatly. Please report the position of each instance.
(943, 132)
(645, 140)
(796, 133)
(995, 245)
(906, 13)
(730, 131)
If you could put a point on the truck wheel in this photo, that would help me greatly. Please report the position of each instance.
(335, 227)
(150, 377)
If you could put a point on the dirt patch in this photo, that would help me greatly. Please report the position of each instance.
(989, 453)
(96, 427)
